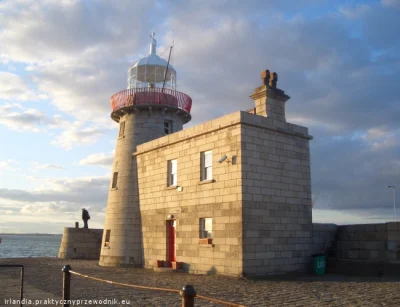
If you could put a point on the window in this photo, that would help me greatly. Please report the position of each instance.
(172, 172)
(206, 228)
(114, 181)
(167, 127)
(107, 239)
(206, 165)
(121, 129)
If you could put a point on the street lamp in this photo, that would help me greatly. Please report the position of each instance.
(394, 199)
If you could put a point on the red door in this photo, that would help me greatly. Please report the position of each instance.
(171, 248)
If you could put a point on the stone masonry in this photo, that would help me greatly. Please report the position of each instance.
(259, 195)
(259, 199)
(80, 243)
(123, 214)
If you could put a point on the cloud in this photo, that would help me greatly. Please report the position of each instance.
(76, 134)
(354, 12)
(340, 64)
(18, 118)
(351, 217)
(50, 208)
(47, 166)
(77, 61)
(7, 165)
(98, 159)
(55, 198)
(84, 191)
(13, 87)
(391, 3)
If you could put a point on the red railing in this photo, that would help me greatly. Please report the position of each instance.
(140, 96)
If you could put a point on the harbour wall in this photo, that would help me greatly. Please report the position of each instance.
(80, 243)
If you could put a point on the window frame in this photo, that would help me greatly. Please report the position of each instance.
(205, 233)
(170, 174)
(206, 171)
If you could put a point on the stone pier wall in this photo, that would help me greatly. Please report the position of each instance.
(362, 242)
(80, 243)
(369, 242)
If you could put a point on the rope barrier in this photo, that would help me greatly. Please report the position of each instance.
(154, 288)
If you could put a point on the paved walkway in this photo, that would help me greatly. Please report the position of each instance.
(43, 280)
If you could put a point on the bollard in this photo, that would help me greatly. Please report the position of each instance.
(76, 224)
(188, 294)
(66, 291)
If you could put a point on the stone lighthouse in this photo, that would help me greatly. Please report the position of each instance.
(148, 109)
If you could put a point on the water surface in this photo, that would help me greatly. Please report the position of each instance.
(23, 246)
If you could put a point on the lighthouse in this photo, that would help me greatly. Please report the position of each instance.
(148, 109)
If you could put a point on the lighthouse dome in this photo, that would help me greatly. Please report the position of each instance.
(152, 71)
(153, 59)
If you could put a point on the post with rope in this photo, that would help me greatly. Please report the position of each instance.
(188, 294)
(66, 291)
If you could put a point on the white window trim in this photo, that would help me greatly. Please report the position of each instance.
(205, 233)
(204, 167)
(172, 173)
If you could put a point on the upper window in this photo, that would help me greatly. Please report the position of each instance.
(167, 127)
(172, 172)
(205, 227)
(114, 181)
(121, 129)
(206, 165)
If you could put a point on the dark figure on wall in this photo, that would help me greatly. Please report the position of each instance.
(85, 217)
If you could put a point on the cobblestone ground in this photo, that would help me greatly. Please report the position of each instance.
(43, 280)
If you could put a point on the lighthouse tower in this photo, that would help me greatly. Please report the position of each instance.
(148, 109)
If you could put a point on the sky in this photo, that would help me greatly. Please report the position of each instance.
(61, 60)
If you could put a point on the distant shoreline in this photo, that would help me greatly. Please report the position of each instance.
(30, 234)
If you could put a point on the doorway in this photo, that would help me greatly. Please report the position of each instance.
(171, 236)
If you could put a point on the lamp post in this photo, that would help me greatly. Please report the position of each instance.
(394, 199)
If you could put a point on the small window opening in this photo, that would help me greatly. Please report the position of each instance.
(107, 238)
(206, 228)
(167, 127)
(122, 129)
(172, 173)
(114, 181)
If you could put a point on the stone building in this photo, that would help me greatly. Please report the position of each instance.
(231, 196)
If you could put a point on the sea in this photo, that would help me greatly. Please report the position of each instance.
(29, 245)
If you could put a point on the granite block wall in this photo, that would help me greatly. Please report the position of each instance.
(219, 198)
(362, 242)
(123, 208)
(277, 218)
(393, 242)
(80, 243)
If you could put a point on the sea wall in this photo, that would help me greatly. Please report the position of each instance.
(365, 249)
(80, 243)
(362, 242)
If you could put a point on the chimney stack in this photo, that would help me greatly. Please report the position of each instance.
(269, 100)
